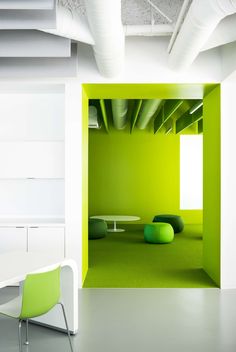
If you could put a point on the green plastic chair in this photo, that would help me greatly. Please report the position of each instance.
(41, 292)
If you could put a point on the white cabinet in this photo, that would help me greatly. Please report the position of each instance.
(27, 199)
(48, 240)
(13, 239)
(32, 116)
(32, 159)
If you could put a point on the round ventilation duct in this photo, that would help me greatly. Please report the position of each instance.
(200, 22)
(119, 112)
(148, 109)
(104, 17)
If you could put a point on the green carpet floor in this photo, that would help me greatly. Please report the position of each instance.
(125, 260)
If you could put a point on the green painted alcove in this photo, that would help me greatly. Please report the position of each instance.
(211, 139)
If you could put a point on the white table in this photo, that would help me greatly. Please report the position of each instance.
(116, 218)
(14, 266)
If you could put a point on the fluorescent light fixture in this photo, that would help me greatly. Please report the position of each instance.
(93, 117)
(168, 130)
(196, 107)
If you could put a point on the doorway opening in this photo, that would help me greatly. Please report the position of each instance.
(141, 168)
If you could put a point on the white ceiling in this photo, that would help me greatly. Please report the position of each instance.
(138, 12)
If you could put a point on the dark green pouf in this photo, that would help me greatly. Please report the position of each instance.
(174, 220)
(160, 232)
(97, 229)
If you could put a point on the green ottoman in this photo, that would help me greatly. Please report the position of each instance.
(160, 232)
(97, 229)
(174, 220)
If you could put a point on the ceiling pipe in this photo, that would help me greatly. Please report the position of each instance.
(71, 25)
(148, 109)
(104, 17)
(200, 22)
(158, 30)
(178, 23)
(119, 112)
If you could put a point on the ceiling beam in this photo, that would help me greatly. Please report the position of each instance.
(165, 112)
(104, 114)
(136, 109)
(200, 126)
(187, 119)
(26, 4)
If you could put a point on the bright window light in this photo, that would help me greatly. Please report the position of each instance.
(191, 169)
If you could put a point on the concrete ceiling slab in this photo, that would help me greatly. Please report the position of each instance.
(137, 12)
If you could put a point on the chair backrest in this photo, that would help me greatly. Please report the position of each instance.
(41, 292)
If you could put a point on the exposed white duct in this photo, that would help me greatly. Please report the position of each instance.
(71, 25)
(147, 111)
(148, 30)
(104, 17)
(201, 20)
(225, 33)
(119, 113)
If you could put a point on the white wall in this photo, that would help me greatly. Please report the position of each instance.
(228, 182)
(228, 59)
(73, 173)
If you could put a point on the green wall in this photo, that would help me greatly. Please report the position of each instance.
(135, 174)
(84, 185)
(211, 188)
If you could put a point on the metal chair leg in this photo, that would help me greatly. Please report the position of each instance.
(67, 328)
(27, 332)
(19, 335)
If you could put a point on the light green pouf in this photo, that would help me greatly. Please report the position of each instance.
(159, 232)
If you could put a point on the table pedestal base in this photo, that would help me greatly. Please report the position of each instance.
(115, 229)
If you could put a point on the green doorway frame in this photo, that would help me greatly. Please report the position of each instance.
(210, 93)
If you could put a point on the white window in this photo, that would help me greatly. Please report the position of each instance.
(191, 171)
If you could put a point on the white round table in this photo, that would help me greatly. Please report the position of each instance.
(116, 218)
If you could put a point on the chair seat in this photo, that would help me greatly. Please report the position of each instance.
(12, 308)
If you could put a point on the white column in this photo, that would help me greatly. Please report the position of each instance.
(73, 173)
(228, 183)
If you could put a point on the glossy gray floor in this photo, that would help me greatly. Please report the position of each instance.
(138, 320)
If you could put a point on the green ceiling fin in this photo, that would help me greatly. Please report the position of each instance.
(104, 114)
(137, 107)
(166, 111)
(187, 119)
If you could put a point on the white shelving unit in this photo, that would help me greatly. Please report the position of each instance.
(32, 159)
